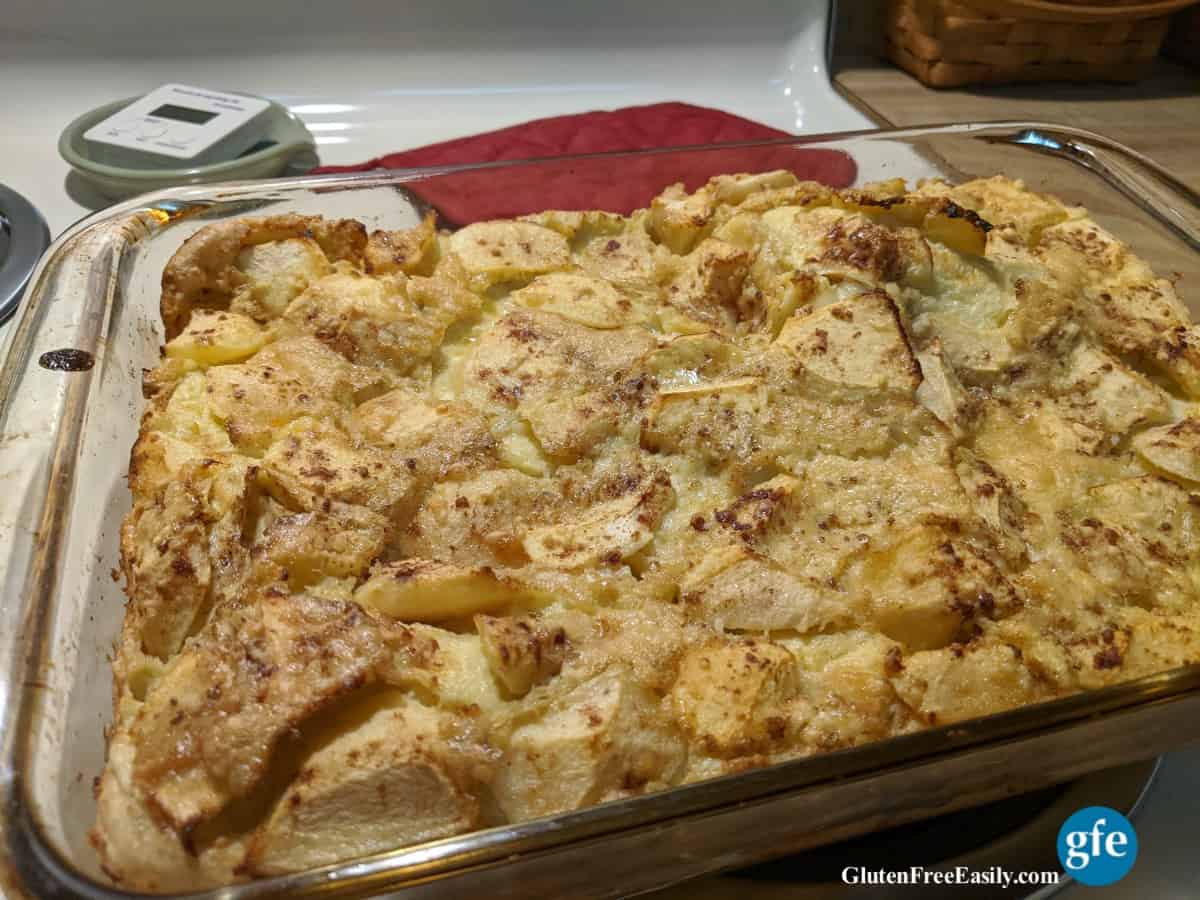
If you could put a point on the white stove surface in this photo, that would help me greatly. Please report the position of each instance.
(370, 77)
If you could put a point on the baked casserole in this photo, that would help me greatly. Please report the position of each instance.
(433, 531)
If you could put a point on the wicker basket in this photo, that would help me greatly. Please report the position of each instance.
(948, 44)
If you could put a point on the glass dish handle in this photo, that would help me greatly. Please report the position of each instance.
(1135, 175)
(41, 409)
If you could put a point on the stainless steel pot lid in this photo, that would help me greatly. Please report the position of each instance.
(23, 238)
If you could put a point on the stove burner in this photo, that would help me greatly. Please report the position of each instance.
(1018, 833)
(23, 238)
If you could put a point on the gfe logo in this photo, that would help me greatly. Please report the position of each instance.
(1097, 846)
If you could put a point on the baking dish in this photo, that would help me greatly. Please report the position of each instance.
(67, 422)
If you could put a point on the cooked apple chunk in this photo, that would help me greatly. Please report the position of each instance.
(609, 531)
(736, 696)
(207, 730)
(521, 650)
(1172, 449)
(858, 343)
(392, 780)
(605, 739)
(507, 251)
(213, 337)
(421, 590)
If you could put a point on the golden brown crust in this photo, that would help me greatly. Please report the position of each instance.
(203, 273)
(411, 250)
(434, 531)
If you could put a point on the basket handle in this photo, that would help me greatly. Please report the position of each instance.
(1046, 11)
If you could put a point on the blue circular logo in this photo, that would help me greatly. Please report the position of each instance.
(1097, 846)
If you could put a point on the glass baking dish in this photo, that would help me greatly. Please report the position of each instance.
(67, 421)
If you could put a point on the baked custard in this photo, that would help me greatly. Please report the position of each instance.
(435, 531)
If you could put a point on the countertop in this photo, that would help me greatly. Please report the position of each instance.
(1159, 116)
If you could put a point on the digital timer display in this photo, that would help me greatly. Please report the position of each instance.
(180, 123)
(183, 114)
